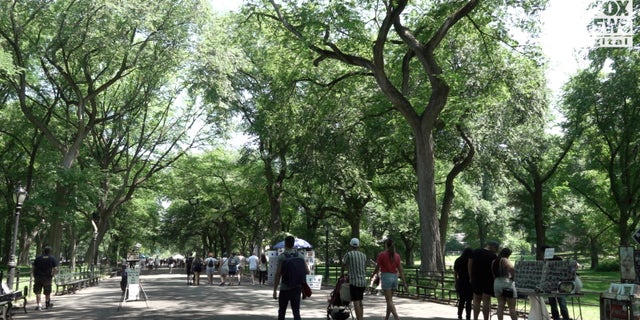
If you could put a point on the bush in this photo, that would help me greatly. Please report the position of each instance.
(608, 264)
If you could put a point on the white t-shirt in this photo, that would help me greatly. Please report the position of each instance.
(253, 262)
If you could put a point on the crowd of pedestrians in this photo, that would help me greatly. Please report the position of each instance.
(484, 273)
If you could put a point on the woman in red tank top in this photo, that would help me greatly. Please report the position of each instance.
(390, 267)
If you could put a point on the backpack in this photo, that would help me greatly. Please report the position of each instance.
(294, 270)
(210, 263)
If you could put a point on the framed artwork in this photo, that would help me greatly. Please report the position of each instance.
(627, 264)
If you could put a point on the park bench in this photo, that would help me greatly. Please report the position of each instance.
(8, 299)
(434, 285)
(70, 282)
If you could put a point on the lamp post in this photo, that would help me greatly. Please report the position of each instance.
(326, 253)
(93, 249)
(18, 197)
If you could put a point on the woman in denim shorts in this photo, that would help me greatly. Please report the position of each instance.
(390, 266)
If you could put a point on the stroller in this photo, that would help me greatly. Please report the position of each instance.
(338, 309)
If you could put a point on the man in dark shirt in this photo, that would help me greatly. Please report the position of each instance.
(481, 278)
(44, 268)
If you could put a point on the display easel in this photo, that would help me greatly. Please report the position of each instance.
(134, 290)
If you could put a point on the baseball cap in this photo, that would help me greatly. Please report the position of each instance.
(354, 242)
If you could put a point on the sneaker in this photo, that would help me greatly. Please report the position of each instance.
(49, 305)
(38, 307)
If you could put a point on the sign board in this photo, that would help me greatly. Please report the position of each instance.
(133, 285)
(612, 24)
(548, 253)
(314, 282)
(636, 236)
(133, 277)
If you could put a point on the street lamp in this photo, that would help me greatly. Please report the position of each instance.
(18, 197)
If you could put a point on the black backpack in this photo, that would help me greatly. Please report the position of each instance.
(210, 263)
(294, 270)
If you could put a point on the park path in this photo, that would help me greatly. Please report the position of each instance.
(169, 297)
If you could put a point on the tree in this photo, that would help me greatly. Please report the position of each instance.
(602, 101)
(70, 67)
(405, 63)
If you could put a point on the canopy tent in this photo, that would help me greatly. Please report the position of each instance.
(297, 244)
(177, 257)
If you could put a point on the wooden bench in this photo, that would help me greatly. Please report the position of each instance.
(9, 298)
(70, 282)
(434, 285)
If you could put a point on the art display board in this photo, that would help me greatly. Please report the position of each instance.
(272, 255)
(627, 265)
(133, 285)
(134, 290)
(314, 282)
(544, 276)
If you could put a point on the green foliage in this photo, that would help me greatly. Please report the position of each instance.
(608, 264)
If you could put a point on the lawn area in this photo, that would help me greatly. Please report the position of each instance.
(595, 283)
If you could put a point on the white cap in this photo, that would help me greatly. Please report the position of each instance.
(354, 242)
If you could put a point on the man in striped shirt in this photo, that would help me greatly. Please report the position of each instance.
(355, 261)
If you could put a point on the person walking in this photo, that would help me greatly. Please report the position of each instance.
(481, 279)
(262, 268)
(197, 270)
(44, 268)
(253, 262)
(291, 269)
(356, 262)
(210, 263)
(390, 267)
(224, 269)
(463, 286)
(503, 274)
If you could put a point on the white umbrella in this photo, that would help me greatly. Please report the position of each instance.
(177, 257)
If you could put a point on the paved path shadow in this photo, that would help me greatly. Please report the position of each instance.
(169, 297)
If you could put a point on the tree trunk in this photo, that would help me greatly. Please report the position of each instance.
(593, 249)
(431, 257)
(538, 214)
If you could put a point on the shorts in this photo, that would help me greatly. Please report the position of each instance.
(210, 270)
(389, 281)
(357, 293)
(224, 271)
(40, 283)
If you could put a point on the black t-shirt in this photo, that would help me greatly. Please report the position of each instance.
(481, 271)
(461, 267)
(43, 266)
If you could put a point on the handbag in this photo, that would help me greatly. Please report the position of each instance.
(345, 292)
(306, 290)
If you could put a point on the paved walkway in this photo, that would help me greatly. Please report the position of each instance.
(169, 297)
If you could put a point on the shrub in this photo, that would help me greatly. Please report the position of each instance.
(608, 264)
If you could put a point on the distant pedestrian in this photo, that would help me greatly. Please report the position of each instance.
(292, 269)
(390, 266)
(242, 262)
(224, 269)
(463, 286)
(253, 262)
(197, 270)
(44, 268)
(233, 268)
(356, 262)
(262, 268)
(188, 267)
(210, 263)
(481, 278)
